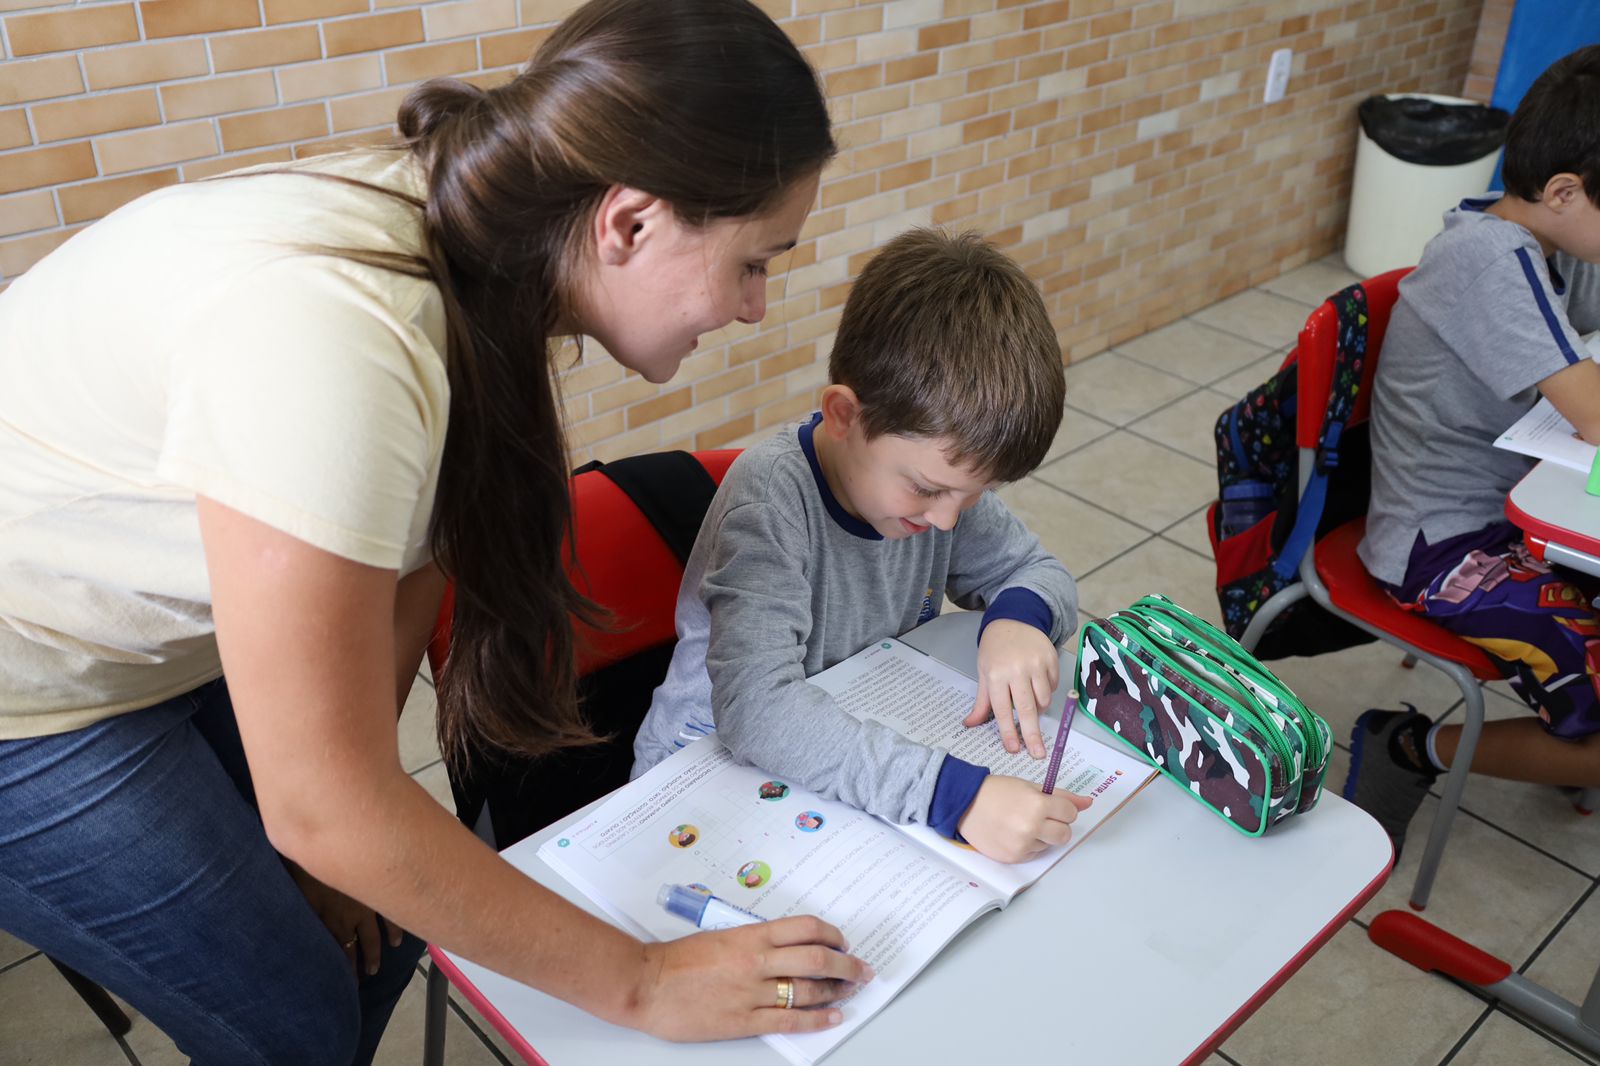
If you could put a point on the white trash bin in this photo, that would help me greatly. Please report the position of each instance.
(1396, 207)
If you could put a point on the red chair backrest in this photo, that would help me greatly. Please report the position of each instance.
(622, 564)
(1319, 343)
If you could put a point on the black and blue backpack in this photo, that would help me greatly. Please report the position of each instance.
(1262, 524)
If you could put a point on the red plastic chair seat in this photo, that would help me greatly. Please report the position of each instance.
(1355, 591)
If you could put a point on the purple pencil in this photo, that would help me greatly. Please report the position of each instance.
(1060, 746)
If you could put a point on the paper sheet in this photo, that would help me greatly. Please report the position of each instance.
(1544, 434)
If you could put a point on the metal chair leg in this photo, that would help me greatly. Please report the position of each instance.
(1276, 604)
(1455, 782)
(433, 1016)
(99, 1000)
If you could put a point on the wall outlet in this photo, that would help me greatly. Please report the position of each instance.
(1278, 75)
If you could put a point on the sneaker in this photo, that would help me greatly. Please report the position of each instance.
(1381, 782)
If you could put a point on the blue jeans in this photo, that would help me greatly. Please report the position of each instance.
(131, 850)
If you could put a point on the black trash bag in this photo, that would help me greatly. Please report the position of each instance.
(1430, 133)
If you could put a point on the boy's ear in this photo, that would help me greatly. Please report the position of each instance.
(626, 219)
(840, 409)
(1562, 191)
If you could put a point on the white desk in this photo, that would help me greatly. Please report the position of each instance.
(1561, 520)
(1149, 945)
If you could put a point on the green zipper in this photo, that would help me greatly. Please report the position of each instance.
(1242, 701)
(1313, 731)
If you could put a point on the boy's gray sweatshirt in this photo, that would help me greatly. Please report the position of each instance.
(782, 584)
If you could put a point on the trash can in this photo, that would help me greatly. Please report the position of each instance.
(1417, 156)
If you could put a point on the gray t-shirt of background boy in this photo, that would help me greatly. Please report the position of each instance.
(1479, 323)
(777, 589)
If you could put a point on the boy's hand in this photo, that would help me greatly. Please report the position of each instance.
(1010, 820)
(1018, 669)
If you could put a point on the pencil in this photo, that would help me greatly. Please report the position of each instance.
(1054, 768)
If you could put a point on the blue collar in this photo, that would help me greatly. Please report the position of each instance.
(842, 518)
(1477, 203)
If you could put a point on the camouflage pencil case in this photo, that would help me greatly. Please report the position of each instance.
(1191, 700)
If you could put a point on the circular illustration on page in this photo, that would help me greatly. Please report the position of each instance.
(772, 791)
(808, 821)
(754, 874)
(683, 836)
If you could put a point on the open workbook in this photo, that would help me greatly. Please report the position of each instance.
(899, 893)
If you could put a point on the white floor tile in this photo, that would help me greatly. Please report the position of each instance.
(402, 1041)
(1114, 388)
(1080, 535)
(1235, 385)
(419, 738)
(1312, 283)
(12, 949)
(1353, 1003)
(1502, 1039)
(1568, 963)
(1155, 566)
(1077, 429)
(1191, 533)
(1192, 350)
(1141, 481)
(1262, 317)
(1188, 426)
(1491, 890)
(43, 1021)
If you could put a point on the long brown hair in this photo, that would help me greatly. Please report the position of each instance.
(703, 103)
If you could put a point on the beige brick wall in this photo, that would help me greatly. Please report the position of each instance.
(1487, 48)
(1117, 148)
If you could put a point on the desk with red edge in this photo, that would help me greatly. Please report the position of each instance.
(1559, 520)
(1160, 916)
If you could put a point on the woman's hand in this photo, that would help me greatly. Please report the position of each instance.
(350, 922)
(715, 986)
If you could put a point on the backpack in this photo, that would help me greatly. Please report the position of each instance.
(1262, 524)
(635, 521)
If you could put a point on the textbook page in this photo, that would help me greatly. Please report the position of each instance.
(1545, 434)
(915, 694)
(700, 818)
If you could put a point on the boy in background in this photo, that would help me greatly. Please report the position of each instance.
(945, 381)
(1488, 321)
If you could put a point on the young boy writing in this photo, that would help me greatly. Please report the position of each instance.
(945, 380)
(1488, 321)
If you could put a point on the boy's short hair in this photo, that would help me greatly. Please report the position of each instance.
(944, 337)
(1556, 128)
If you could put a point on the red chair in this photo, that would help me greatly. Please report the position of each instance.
(1335, 579)
(630, 550)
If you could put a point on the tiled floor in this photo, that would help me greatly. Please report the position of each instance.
(1121, 501)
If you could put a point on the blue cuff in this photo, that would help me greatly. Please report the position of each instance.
(953, 793)
(1019, 605)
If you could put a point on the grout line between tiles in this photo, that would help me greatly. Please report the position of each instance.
(1225, 1057)
(1555, 932)
(1558, 1041)
(13, 964)
(1471, 1029)
(479, 1033)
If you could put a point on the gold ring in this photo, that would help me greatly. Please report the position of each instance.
(785, 993)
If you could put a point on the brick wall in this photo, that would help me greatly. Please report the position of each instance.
(1117, 148)
(1486, 49)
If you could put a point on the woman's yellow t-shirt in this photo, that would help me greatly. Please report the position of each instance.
(189, 344)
